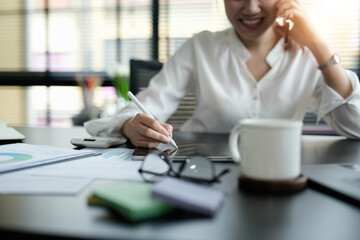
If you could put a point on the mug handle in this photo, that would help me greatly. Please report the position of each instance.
(234, 143)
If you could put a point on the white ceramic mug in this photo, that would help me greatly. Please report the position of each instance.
(268, 149)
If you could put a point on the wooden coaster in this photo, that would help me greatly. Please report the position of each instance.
(281, 186)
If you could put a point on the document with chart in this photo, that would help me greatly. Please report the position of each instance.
(21, 155)
(111, 163)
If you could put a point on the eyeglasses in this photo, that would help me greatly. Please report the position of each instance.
(196, 168)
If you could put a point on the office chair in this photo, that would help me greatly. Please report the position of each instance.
(142, 71)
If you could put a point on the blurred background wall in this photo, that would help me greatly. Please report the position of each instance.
(46, 46)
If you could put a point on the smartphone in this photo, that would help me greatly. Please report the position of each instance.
(286, 23)
(97, 142)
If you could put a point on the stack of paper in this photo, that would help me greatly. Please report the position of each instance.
(21, 155)
(19, 183)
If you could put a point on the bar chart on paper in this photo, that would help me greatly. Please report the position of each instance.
(119, 154)
(114, 164)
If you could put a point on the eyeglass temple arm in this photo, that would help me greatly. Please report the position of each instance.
(225, 171)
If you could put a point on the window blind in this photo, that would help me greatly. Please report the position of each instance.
(180, 19)
(77, 35)
(339, 25)
(56, 39)
(337, 22)
(73, 36)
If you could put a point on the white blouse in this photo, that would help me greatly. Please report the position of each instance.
(212, 66)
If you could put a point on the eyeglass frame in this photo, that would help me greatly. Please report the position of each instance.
(177, 174)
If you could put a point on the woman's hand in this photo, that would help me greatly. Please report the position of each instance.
(303, 31)
(144, 131)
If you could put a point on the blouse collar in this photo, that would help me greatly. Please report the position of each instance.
(276, 52)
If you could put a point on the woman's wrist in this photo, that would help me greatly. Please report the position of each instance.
(123, 129)
(334, 76)
(321, 51)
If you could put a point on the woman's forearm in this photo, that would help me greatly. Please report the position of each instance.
(334, 75)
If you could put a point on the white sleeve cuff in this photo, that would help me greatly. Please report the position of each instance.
(107, 127)
(331, 99)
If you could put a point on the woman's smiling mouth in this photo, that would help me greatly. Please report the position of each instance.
(251, 23)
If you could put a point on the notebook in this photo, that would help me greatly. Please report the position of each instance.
(340, 180)
(189, 196)
(131, 200)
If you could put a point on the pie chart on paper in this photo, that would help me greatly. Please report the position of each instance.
(10, 157)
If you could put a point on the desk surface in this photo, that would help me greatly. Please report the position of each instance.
(309, 214)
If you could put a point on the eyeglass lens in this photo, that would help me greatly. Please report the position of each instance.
(198, 167)
(154, 166)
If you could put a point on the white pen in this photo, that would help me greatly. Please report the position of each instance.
(144, 110)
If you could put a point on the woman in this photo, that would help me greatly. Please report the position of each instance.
(247, 71)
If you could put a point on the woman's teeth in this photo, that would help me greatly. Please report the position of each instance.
(252, 21)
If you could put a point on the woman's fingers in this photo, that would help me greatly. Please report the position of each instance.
(155, 125)
(169, 128)
(149, 133)
(285, 6)
(151, 128)
(144, 131)
(303, 31)
(140, 141)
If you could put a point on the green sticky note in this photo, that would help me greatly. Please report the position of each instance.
(132, 200)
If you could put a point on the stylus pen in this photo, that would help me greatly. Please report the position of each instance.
(287, 30)
(144, 110)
